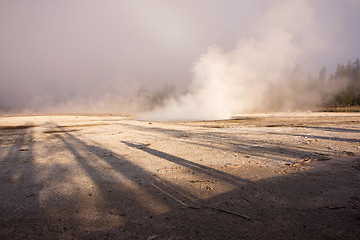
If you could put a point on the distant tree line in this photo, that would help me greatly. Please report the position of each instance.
(343, 86)
(300, 90)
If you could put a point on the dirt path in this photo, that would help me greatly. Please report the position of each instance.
(257, 176)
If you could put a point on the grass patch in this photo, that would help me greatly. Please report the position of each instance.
(342, 109)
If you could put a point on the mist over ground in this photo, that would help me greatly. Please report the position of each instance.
(171, 59)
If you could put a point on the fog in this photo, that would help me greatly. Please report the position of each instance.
(187, 59)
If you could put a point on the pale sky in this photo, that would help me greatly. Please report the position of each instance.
(52, 51)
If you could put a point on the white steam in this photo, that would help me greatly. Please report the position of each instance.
(255, 74)
(134, 56)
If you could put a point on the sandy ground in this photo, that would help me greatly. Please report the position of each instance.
(258, 176)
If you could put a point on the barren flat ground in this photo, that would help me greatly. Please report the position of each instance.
(256, 176)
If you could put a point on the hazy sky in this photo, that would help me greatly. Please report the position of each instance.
(53, 51)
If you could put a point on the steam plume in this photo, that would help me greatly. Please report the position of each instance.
(257, 72)
(175, 58)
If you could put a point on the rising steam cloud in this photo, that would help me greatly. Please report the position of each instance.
(258, 74)
(177, 59)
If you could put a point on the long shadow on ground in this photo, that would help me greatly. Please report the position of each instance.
(130, 202)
